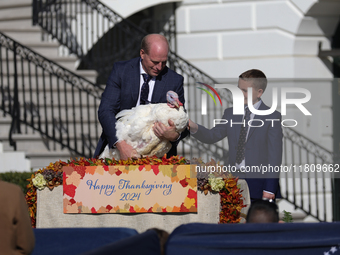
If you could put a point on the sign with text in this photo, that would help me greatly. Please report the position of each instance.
(130, 189)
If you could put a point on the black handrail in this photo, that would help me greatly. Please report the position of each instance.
(89, 30)
(69, 21)
(303, 158)
(57, 103)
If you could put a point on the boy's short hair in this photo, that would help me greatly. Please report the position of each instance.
(257, 77)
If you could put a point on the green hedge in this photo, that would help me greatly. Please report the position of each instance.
(19, 178)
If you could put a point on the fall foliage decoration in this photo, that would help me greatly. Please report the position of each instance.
(52, 175)
(230, 193)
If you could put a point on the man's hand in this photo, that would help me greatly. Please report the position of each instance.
(268, 195)
(193, 127)
(126, 151)
(164, 132)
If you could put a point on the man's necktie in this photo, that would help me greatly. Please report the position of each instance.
(242, 138)
(144, 93)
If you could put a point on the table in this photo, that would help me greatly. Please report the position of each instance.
(50, 213)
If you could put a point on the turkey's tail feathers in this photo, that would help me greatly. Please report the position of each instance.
(124, 113)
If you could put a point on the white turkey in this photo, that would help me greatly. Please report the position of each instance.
(134, 126)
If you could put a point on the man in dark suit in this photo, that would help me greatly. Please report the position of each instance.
(123, 91)
(260, 146)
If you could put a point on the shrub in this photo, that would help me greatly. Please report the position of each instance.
(19, 178)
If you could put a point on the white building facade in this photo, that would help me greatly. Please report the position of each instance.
(289, 40)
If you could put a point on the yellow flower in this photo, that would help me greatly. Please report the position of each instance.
(216, 183)
(39, 181)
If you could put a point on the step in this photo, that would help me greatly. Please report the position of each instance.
(18, 29)
(6, 146)
(16, 23)
(4, 138)
(40, 160)
(46, 108)
(44, 98)
(41, 151)
(23, 77)
(4, 131)
(5, 120)
(25, 16)
(50, 50)
(15, 12)
(87, 120)
(24, 36)
(13, 161)
(36, 142)
(47, 49)
(37, 115)
(87, 73)
(21, 146)
(4, 4)
(74, 128)
(30, 142)
(68, 63)
(70, 94)
(28, 76)
(34, 83)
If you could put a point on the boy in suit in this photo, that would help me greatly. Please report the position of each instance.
(250, 144)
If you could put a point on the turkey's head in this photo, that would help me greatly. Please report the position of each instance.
(173, 100)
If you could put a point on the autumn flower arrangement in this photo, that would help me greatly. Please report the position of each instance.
(230, 193)
(52, 175)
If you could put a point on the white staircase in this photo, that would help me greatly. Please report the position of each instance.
(16, 22)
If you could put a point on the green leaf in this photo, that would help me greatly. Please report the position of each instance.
(287, 217)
